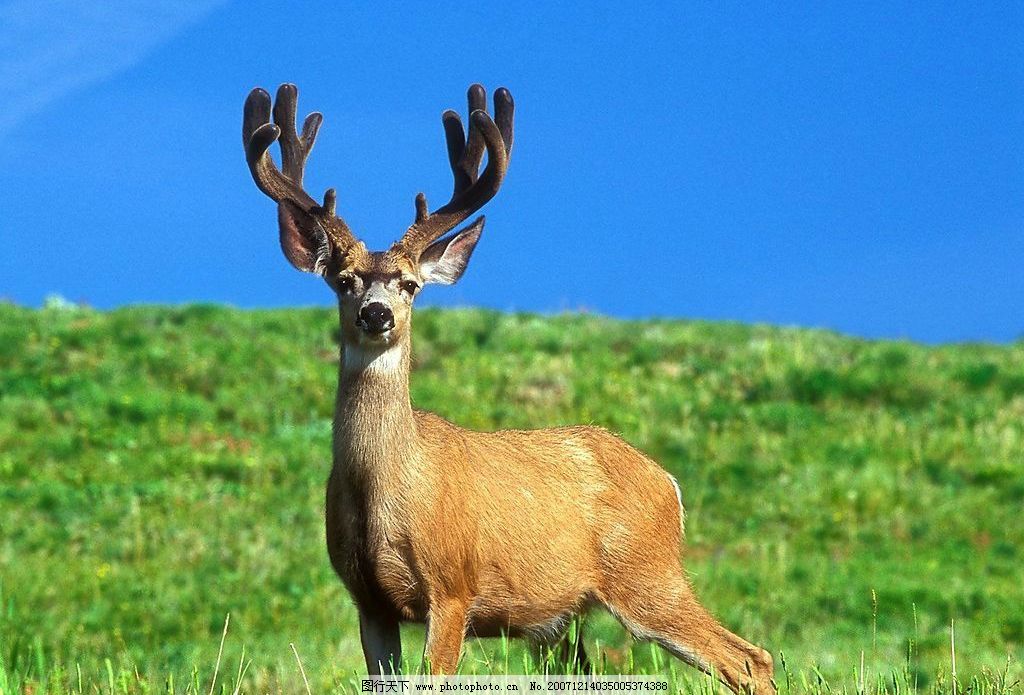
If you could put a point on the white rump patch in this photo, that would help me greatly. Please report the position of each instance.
(679, 499)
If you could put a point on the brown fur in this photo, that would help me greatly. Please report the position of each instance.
(513, 531)
(474, 533)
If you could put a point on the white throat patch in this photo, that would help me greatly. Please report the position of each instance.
(380, 360)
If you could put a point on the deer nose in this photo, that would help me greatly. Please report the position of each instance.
(376, 318)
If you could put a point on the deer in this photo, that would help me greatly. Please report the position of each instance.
(475, 534)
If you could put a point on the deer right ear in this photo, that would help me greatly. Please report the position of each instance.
(303, 241)
(444, 261)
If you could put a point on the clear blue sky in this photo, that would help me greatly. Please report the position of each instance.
(827, 165)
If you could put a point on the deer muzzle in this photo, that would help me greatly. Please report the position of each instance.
(376, 318)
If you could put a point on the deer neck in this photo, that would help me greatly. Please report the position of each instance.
(374, 430)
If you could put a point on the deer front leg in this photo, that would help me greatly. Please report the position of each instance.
(446, 626)
(382, 644)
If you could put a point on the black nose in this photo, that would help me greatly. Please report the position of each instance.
(376, 318)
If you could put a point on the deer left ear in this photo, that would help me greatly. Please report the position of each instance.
(444, 261)
(304, 244)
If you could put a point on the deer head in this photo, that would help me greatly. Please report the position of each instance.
(376, 289)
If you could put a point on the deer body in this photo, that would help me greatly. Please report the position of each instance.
(434, 511)
(473, 533)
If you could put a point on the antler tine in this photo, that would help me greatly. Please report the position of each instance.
(255, 113)
(504, 111)
(294, 149)
(465, 153)
(258, 134)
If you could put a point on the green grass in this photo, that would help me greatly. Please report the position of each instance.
(163, 467)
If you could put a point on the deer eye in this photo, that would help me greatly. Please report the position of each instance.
(409, 287)
(346, 283)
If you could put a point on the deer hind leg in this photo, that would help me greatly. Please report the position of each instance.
(572, 656)
(567, 651)
(669, 613)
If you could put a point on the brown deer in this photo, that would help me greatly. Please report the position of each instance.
(473, 533)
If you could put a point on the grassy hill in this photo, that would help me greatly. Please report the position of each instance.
(163, 467)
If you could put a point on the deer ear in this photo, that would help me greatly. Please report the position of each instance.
(444, 261)
(303, 241)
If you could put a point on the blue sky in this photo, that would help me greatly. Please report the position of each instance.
(857, 168)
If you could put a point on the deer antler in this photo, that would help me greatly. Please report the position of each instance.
(465, 152)
(258, 134)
